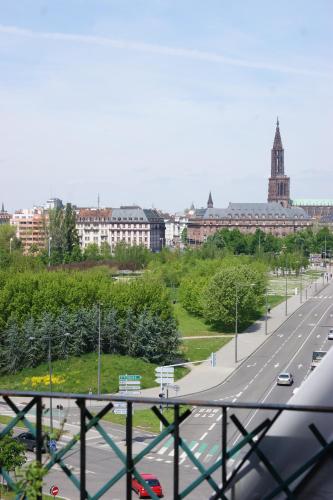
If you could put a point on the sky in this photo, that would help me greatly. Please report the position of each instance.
(157, 102)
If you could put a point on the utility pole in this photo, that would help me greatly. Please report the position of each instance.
(286, 292)
(236, 323)
(51, 388)
(99, 351)
(266, 317)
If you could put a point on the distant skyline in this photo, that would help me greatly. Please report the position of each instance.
(158, 102)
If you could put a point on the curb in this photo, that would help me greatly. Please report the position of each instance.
(253, 352)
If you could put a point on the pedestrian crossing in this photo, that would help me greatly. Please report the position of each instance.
(206, 451)
(322, 297)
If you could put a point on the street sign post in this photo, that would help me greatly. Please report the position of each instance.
(54, 490)
(129, 385)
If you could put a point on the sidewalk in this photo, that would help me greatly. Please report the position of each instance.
(203, 376)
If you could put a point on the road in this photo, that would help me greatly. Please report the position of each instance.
(289, 348)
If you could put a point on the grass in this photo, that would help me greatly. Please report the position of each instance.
(79, 375)
(200, 349)
(190, 325)
(10, 495)
(143, 419)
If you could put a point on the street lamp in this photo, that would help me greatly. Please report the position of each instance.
(236, 315)
(286, 312)
(50, 239)
(266, 316)
(10, 245)
(99, 351)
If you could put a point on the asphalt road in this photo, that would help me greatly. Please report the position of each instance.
(288, 349)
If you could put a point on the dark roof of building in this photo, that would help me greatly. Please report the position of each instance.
(240, 210)
(130, 213)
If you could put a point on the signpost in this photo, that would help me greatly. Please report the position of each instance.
(54, 490)
(164, 376)
(129, 385)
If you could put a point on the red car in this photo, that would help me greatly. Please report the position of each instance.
(153, 482)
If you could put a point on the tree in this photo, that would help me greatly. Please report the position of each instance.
(219, 296)
(30, 481)
(12, 453)
(63, 233)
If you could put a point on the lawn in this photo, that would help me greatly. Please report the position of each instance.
(79, 375)
(190, 325)
(201, 349)
(143, 419)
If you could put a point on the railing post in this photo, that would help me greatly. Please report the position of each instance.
(176, 453)
(83, 491)
(39, 438)
(129, 458)
(224, 446)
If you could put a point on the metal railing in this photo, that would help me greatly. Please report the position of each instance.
(248, 442)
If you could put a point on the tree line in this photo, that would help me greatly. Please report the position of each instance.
(73, 333)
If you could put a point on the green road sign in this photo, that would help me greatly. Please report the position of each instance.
(129, 377)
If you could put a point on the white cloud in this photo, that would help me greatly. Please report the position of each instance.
(160, 50)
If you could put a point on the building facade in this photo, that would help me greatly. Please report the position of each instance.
(316, 209)
(271, 218)
(4, 216)
(31, 228)
(129, 224)
(278, 183)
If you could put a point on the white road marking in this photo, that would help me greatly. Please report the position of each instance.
(212, 426)
(277, 365)
(318, 336)
(299, 366)
(162, 450)
(235, 399)
(203, 436)
(286, 368)
(159, 459)
(300, 314)
(250, 366)
(218, 418)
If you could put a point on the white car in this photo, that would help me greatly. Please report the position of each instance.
(330, 334)
(285, 378)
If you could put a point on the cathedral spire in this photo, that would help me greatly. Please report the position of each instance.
(277, 139)
(210, 201)
(279, 183)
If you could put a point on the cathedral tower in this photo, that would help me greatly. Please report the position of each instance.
(279, 183)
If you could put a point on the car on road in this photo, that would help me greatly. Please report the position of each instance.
(330, 334)
(154, 485)
(285, 378)
(29, 441)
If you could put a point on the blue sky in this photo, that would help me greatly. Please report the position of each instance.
(156, 102)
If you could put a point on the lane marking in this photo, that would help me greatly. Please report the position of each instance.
(203, 436)
(286, 368)
(218, 418)
(212, 426)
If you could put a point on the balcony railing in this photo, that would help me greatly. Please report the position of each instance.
(247, 444)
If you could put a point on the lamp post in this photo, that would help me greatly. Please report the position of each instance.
(236, 317)
(10, 245)
(99, 351)
(50, 239)
(286, 312)
(266, 316)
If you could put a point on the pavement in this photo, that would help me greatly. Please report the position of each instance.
(203, 377)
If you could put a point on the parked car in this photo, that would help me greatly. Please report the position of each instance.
(330, 334)
(153, 482)
(29, 441)
(285, 378)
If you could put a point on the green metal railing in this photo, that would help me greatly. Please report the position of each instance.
(249, 442)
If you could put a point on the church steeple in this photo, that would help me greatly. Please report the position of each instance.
(279, 183)
(210, 201)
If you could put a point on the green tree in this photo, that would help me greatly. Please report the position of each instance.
(219, 296)
(12, 453)
(30, 480)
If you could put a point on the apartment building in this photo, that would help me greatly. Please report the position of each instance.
(132, 225)
(30, 227)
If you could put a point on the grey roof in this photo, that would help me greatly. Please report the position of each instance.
(240, 210)
(135, 213)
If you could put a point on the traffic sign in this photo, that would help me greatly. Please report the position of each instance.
(120, 411)
(129, 377)
(119, 405)
(173, 386)
(129, 393)
(54, 490)
(53, 445)
(128, 383)
(164, 380)
(164, 369)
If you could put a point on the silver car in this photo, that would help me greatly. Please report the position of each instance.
(285, 378)
(330, 334)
